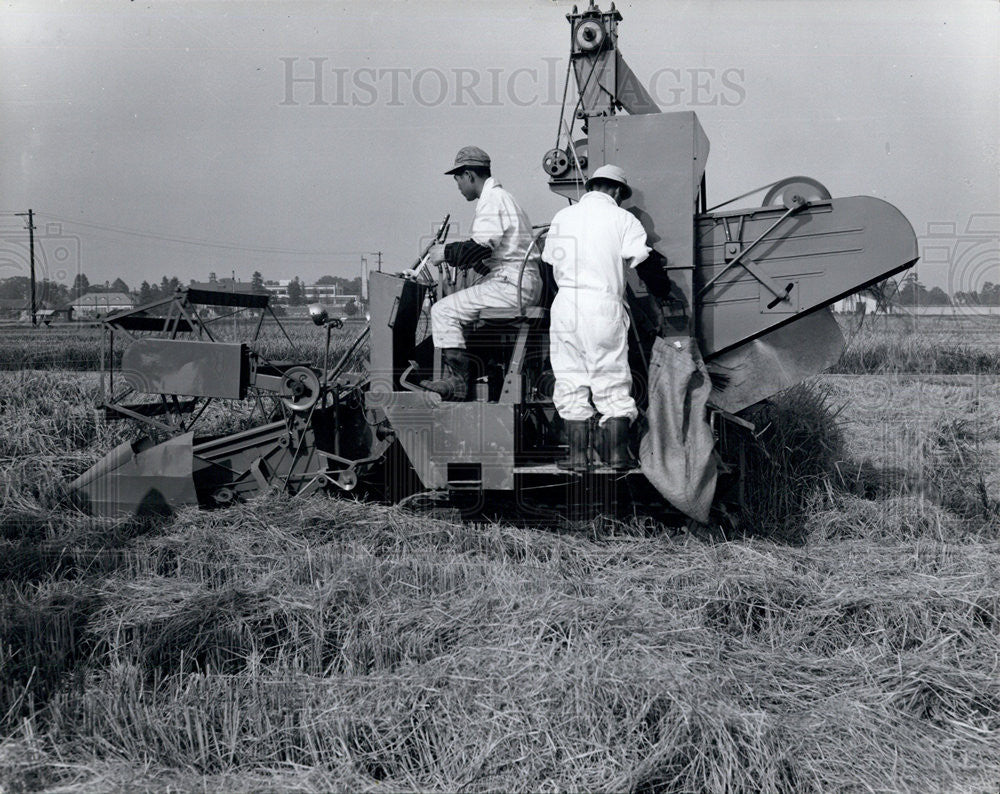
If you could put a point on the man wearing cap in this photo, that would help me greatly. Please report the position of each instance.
(499, 242)
(589, 244)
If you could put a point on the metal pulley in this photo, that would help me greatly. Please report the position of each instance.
(300, 388)
(589, 36)
(224, 497)
(555, 162)
(795, 190)
(346, 480)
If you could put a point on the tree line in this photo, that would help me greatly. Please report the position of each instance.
(912, 293)
(54, 293)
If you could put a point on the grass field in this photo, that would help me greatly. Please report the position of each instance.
(875, 345)
(80, 348)
(322, 645)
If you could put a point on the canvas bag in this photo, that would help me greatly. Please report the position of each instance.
(677, 451)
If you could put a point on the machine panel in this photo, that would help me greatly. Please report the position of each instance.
(825, 251)
(664, 155)
(447, 441)
(189, 368)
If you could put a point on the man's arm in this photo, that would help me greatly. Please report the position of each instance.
(487, 229)
(466, 254)
(654, 276)
(634, 248)
(648, 263)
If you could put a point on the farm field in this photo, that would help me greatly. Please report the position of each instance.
(881, 344)
(79, 348)
(322, 645)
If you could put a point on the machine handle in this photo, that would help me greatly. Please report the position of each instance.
(543, 230)
(784, 296)
(392, 313)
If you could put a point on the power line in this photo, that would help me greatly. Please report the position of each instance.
(196, 241)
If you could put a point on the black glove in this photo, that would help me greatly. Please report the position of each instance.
(466, 254)
(653, 275)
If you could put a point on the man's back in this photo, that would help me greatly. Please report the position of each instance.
(501, 224)
(588, 241)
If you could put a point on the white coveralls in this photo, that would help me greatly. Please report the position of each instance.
(501, 224)
(586, 246)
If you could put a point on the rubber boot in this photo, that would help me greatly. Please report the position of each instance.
(614, 450)
(578, 441)
(453, 385)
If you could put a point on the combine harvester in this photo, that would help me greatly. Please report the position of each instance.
(749, 287)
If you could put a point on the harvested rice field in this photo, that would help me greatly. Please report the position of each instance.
(848, 641)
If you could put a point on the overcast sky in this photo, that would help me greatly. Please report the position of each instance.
(182, 138)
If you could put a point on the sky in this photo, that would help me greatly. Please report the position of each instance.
(293, 138)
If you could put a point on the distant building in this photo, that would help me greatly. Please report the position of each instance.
(227, 285)
(857, 303)
(99, 304)
(327, 294)
(19, 309)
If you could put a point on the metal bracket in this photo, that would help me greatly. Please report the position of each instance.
(740, 258)
(256, 470)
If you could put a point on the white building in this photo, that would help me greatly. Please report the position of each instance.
(100, 304)
(327, 294)
(858, 302)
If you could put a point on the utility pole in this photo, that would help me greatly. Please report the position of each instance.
(31, 247)
(379, 255)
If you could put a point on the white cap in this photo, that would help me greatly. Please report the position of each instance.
(612, 173)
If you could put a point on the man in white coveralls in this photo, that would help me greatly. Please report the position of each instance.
(499, 241)
(589, 245)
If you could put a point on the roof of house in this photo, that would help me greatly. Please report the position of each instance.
(101, 299)
(228, 285)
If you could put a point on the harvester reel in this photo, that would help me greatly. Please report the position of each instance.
(555, 162)
(795, 190)
(300, 388)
